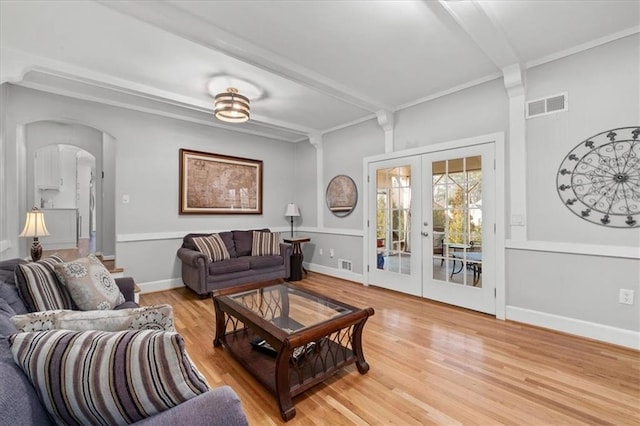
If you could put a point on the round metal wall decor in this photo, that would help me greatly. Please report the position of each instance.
(599, 180)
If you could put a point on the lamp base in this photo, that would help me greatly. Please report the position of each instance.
(36, 250)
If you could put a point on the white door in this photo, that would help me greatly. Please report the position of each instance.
(431, 226)
(458, 227)
(394, 252)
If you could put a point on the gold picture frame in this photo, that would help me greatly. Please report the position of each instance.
(219, 184)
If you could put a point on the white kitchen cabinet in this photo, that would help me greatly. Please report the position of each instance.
(62, 225)
(48, 167)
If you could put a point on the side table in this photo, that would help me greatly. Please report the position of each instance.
(296, 257)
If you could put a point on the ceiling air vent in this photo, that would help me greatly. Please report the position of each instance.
(549, 105)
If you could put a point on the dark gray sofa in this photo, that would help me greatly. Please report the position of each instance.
(19, 402)
(203, 276)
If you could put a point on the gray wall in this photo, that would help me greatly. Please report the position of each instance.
(472, 112)
(603, 86)
(146, 161)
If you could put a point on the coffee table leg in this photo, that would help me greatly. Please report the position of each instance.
(361, 364)
(220, 329)
(283, 392)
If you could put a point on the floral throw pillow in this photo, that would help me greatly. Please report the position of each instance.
(152, 317)
(89, 283)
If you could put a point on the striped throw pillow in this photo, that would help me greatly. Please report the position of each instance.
(99, 377)
(265, 244)
(212, 246)
(39, 286)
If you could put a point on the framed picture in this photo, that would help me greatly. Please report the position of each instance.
(219, 184)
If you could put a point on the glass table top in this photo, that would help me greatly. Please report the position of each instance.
(290, 308)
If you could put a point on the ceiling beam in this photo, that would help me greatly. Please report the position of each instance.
(173, 19)
(475, 21)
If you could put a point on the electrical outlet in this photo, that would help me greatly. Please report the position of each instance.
(626, 296)
(320, 252)
(331, 253)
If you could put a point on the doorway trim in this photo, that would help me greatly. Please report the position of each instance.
(107, 165)
(498, 140)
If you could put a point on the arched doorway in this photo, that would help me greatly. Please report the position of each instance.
(77, 149)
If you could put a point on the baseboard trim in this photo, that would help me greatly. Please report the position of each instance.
(162, 285)
(333, 272)
(591, 330)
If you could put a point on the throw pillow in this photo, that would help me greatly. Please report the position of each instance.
(153, 317)
(99, 377)
(89, 283)
(265, 244)
(39, 287)
(213, 247)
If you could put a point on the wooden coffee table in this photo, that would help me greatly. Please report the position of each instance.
(289, 338)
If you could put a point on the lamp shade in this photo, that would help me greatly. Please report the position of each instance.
(231, 106)
(292, 210)
(34, 226)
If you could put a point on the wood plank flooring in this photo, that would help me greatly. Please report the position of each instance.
(434, 364)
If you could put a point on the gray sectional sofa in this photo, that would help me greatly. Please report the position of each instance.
(19, 401)
(204, 276)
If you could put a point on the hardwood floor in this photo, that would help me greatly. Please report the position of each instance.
(434, 364)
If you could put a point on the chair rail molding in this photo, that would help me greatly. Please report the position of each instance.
(625, 252)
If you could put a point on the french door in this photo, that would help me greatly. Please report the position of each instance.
(431, 226)
(395, 197)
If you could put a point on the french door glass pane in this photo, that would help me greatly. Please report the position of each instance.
(393, 218)
(457, 220)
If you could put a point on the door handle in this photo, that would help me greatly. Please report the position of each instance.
(424, 234)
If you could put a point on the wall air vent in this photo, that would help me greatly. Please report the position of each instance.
(345, 265)
(549, 105)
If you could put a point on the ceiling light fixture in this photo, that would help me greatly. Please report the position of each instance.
(231, 106)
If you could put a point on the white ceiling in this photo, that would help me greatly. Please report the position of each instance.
(321, 64)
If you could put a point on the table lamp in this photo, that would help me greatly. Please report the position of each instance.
(292, 211)
(35, 227)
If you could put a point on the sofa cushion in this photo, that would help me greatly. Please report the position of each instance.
(6, 313)
(212, 246)
(152, 317)
(9, 293)
(244, 241)
(259, 262)
(227, 237)
(230, 265)
(129, 304)
(107, 377)
(89, 283)
(8, 269)
(265, 244)
(39, 287)
(19, 403)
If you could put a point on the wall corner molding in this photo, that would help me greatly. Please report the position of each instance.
(386, 121)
